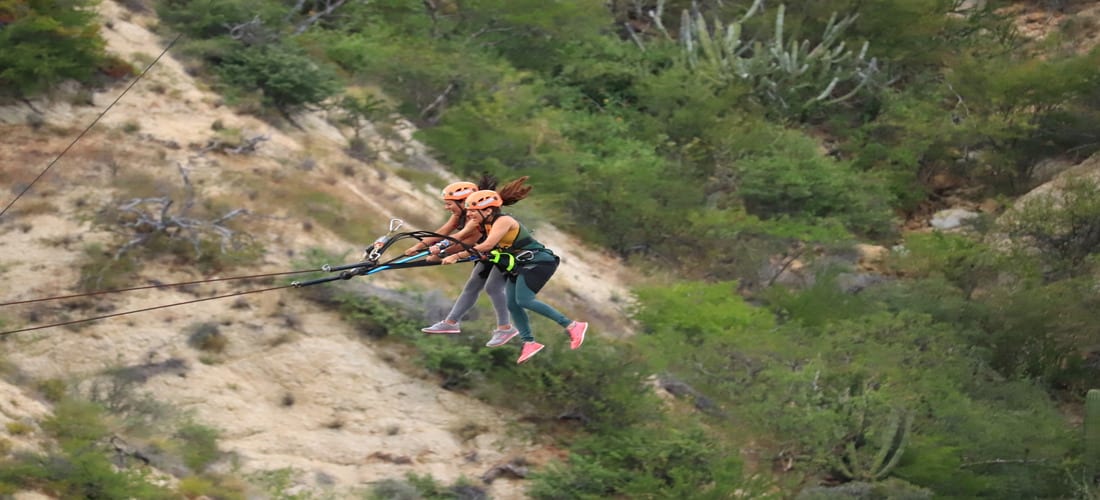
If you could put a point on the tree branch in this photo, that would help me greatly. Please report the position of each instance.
(329, 8)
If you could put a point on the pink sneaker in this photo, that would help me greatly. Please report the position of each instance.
(576, 334)
(529, 349)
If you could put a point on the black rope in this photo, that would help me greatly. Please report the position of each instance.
(366, 266)
(89, 127)
(163, 306)
(163, 285)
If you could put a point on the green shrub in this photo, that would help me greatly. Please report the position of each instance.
(100, 270)
(287, 77)
(893, 489)
(80, 467)
(207, 337)
(45, 43)
(1063, 225)
(53, 389)
(643, 462)
(205, 19)
(791, 179)
(835, 373)
(601, 386)
(199, 445)
(426, 487)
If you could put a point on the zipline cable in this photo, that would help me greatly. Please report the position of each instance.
(348, 271)
(163, 285)
(163, 306)
(89, 127)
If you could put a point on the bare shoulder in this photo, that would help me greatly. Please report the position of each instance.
(506, 220)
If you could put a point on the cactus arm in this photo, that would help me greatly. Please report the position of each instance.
(784, 72)
(657, 14)
(1092, 434)
(850, 467)
(889, 435)
(779, 25)
(756, 5)
(902, 441)
(687, 39)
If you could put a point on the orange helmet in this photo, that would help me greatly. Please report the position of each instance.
(483, 199)
(458, 190)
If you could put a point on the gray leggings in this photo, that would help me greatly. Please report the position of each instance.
(494, 288)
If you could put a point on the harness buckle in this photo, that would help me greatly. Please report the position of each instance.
(525, 255)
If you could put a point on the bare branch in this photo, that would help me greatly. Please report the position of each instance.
(145, 218)
(1003, 461)
(297, 8)
(330, 6)
(439, 100)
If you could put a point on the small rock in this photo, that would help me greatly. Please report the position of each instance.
(951, 218)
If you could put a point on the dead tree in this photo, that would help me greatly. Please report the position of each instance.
(146, 218)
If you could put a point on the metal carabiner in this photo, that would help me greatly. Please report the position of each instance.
(374, 252)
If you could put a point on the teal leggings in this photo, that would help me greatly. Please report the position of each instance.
(521, 299)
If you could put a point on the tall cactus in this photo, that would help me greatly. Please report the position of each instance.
(1092, 435)
(792, 74)
(892, 442)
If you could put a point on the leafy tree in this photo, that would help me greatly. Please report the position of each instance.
(1063, 224)
(205, 19)
(44, 42)
(790, 178)
(531, 34)
(285, 74)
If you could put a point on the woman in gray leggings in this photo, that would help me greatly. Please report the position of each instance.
(483, 276)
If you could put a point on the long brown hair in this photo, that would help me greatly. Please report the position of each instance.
(514, 191)
(487, 181)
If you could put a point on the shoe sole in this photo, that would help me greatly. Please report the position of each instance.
(578, 346)
(440, 332)
(524, 359)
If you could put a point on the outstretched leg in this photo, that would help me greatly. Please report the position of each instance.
(468, 297)
(494, 288)
(525, 299)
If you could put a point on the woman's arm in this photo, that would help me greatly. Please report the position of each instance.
(467, 236)
(446, 228)
(501, 226)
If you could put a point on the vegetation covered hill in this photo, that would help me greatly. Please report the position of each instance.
(721, 148)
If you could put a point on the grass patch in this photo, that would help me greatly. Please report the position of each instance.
(52, 390)
(19, 428)
(420, 178)
(207, 337)
(329, 212)
(35, 207)
(100, 270)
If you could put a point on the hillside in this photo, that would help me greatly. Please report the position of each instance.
(295, 388)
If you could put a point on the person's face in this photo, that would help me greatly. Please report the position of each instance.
(476, 216)
(455, 207)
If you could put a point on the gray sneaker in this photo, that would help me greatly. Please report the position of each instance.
(501, 337)
(442, 327)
